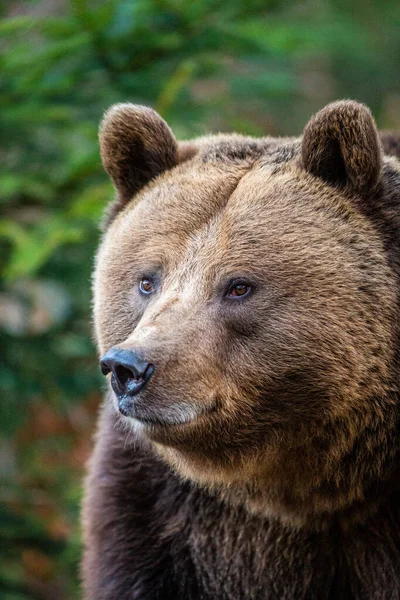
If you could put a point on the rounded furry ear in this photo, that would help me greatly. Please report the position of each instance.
(136, 145)
(341, 146)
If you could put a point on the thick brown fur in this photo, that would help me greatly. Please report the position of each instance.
(262, 459)
(390, 143)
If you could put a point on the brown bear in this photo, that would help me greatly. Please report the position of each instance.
(246, 305)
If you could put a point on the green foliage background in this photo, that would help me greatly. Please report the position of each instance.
(246, 65)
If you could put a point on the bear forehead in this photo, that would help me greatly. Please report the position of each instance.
(255, 197)
(201, 187)
(264, 219)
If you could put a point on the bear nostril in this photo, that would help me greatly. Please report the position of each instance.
(124, 375)
(128, 382)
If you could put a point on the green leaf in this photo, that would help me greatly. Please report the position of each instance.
(32, 249)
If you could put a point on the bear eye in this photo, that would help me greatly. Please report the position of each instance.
(146, 286)
(239, 289)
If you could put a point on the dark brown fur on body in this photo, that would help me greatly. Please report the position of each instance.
(157, 537)
(261, 461)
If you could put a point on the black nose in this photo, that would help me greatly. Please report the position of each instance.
(130, 372)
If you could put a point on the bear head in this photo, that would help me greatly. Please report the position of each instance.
(257, 281)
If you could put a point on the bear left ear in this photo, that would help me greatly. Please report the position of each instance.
(341, 146)
(136, 145)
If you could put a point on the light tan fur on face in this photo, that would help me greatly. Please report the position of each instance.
(267, 397)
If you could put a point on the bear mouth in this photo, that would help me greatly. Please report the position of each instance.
(179, 413)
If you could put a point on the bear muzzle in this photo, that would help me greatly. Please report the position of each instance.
(130, 374)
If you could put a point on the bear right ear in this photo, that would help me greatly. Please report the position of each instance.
(341, 146)
(136, 145)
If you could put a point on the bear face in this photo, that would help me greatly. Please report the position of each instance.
(250, 276)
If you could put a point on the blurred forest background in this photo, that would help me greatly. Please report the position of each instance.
(257, 67)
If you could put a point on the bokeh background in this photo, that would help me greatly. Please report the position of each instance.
(257, 67)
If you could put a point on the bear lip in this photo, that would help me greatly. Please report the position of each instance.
(178, 414)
